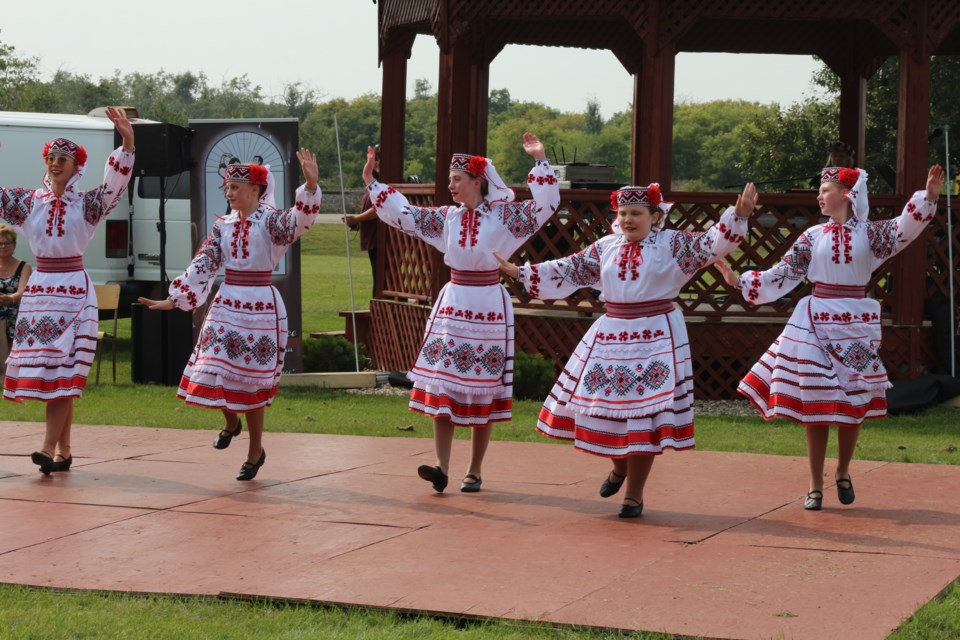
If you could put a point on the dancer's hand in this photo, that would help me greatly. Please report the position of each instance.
(728, 275)
(308, 163)
(508, 268)
(123, 126)
(533, 146)
(934, 182)
(370, 165)
(747, 201)
(157, 305)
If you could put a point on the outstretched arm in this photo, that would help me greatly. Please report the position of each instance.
(308, 164)
(157, 305)
(506, 267)
(533, 146)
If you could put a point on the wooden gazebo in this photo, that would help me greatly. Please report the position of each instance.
(853, 38)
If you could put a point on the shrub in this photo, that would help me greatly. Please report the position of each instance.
(533, 376)
(332, 353)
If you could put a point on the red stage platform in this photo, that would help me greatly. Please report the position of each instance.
(724, 548)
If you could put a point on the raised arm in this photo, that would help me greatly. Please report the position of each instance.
(191, 289)
(523, 219)
(287, 226)
(694, 250)
(890, 237)
(99, 202)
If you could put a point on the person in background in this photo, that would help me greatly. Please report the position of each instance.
(14, 274)
(366, 222)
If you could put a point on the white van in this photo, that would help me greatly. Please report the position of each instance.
(126, 246)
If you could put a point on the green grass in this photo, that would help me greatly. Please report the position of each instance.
(39, 613)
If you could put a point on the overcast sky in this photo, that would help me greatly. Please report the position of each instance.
(332, 48)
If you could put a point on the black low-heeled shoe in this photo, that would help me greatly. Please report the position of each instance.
(845, 494)
(63, 464)
(43, 460)
(608, 488)
(434, 475)
(813, 501)
(471, 487)
(248, 471)
(225, 437)
(631, 510)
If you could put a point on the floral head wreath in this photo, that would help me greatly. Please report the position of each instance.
(855, 181)
(649, 196)
(66, 148)
(842, 175)
(249, 173)
(481, 167)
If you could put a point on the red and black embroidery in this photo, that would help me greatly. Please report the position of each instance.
(692, 250)
(240, 243)
(841, 243)
(469, 228)
(16, 205)
(56, 217)
(630, 259)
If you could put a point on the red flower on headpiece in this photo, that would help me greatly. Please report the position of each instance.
(653, 195)
(258, 174)
(476, 165)
(46, 151)
(848, 177)
(613, 200)
(81, 158)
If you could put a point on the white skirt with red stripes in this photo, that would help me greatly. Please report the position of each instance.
(55, 338)
(824, 368)
(464, 369)
(238, 359)
(626, 390)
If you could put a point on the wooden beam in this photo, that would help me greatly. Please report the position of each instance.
(912, 155)
(853, 112)
(393, 108)
(653, 118)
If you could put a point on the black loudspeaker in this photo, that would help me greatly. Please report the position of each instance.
(162, 344)
(162, 149)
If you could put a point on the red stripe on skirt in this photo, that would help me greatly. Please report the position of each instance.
(464, 410)
(73, 383)
(220, 393)
(877, 403)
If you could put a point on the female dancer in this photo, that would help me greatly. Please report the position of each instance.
(237, 362)
(824, 368)
(56, 333)
(627, 391)
(463, 375)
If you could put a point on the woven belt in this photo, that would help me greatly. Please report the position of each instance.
(248, 278)
(823, 290)
(60, 265)
(629, 310)
(475, 278)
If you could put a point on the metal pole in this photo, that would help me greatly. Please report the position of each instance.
(346, 237)
(953, 306)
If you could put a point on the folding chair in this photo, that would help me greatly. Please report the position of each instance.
(108, 299)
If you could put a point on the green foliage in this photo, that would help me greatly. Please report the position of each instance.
(332, 353)
(533, 376)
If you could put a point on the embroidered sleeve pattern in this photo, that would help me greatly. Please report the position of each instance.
(286, 227)
(99, 202)
(557, 279)
(189, 290)
(426, 223)
(693, 250)
(760, 287)
(889, 237)
(15, 205)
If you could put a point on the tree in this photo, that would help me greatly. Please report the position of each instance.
(16, 75)
(593, 120)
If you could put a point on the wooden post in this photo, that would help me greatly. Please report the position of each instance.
(853, 112)
(653, 117)
(912, 149)
(393, 106)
